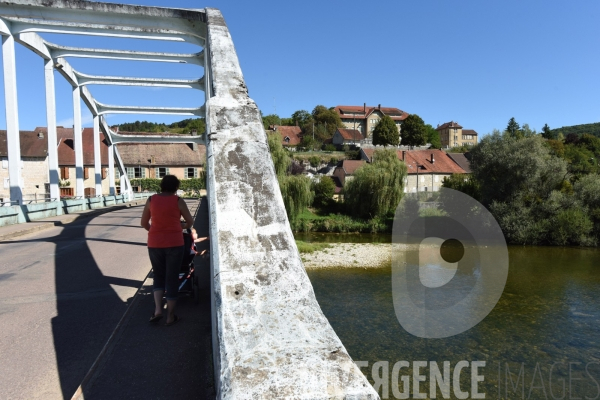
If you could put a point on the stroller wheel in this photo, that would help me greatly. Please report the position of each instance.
(196, 290)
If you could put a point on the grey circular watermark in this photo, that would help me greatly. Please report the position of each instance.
(448, 270)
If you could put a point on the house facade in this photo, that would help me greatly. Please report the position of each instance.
(155, 160)
(426, 169)
(34, 165)
(452, 134)
(66, 162)
(347, 136)
(365, 118)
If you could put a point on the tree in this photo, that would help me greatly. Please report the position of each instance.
(414, 132)
(301, 118)
(324, 190)
(279, 155)
(547, 133)
(513, 128)
(296, 193)
(386, 132)
(271, 119)
(377, 188)
(506, 168)
(327, 119)
(433, 137)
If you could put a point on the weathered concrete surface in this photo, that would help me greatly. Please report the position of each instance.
(272, 339)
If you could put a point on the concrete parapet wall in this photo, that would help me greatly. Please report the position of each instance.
(36, 211)
(271, 339)
(10, 215)
(75, 205)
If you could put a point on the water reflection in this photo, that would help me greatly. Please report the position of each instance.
(548, 313)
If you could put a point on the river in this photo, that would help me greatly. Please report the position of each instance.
(541, 340)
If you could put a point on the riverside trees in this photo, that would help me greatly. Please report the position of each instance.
(377, 188)
(529, 190)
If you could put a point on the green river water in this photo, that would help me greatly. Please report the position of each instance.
(541, 341)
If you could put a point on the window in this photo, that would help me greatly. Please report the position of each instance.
(64, 173)
(86, 173)
(437, 178)
(161, 172)
(135, 172)
(191, 173)
(104, 172)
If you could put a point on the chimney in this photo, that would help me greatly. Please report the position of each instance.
(40, 135)
(365, 108)
(432, 159)
(194, 145)
(379, 106)
(403, 155)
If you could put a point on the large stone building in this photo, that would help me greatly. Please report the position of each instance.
(452, 134)
(365, 118)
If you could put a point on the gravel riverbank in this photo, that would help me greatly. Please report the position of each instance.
(353, 255)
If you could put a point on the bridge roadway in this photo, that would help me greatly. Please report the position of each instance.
(63, 293)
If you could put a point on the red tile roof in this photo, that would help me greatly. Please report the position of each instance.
(31, 145)
(350, 134)
(469, 132)
(450, 124)
(363, 112)
(442, 164)
(66, 149)
(350, 166)
(294, 133)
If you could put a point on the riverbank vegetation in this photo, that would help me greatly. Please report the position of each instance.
(541, 192)
(376, 190)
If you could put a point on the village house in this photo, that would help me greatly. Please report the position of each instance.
(452, 134)
(34, 165)
(155, 160)
(290, 135)
(66, 161)
(345, 169)
(365, 118)
(426, 169)
(347, 137)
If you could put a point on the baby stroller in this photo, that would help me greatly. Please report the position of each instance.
(188, 281)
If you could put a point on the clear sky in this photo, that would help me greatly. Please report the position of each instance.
(476, 62)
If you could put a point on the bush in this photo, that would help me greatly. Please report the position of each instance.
(329, 147)
(315, 161)
(296, 193)
(324, 190)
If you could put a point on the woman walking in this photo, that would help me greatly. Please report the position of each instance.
(162, 219)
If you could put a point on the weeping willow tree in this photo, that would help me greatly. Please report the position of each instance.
(377, 188)
(281, 159)
(295, 189)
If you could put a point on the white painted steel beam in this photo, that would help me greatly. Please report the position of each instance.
(77, 142)
(111, 169)
(118, 138)
(13, 139)
(111, 109)
(126, 188)
(97, 157)
(109, 18)
(89, 101)
(53, 171)
(65, 51)
(85, 79)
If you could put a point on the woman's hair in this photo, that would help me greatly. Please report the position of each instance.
(169, 184)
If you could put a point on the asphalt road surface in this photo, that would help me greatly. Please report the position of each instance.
(62, 292)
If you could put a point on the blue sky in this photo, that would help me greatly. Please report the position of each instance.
(478, 63)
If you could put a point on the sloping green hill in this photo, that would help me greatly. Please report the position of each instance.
(593, 129)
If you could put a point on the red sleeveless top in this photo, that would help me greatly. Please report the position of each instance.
(165, 228)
